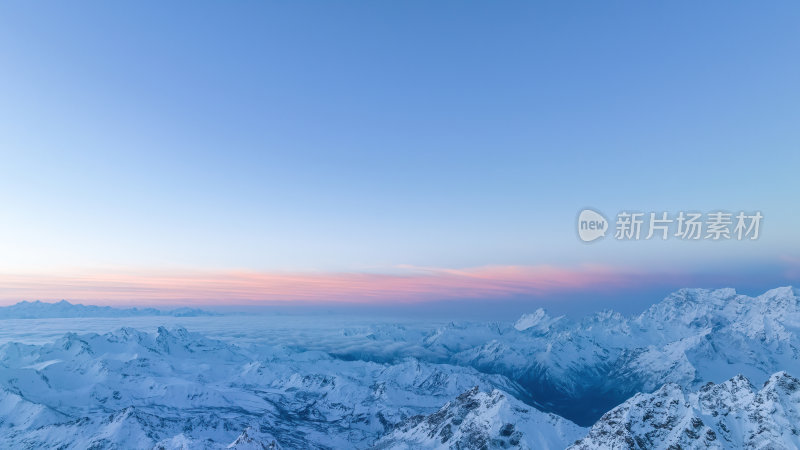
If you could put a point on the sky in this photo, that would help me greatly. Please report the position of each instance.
(390, 152)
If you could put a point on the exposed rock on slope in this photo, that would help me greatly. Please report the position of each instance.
(480, 420)
(729, 415)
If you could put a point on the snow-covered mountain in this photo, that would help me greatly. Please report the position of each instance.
(479, 420)
(581, 369)
(65, 309)
(645, 377)
(729, 415)
(174, 389)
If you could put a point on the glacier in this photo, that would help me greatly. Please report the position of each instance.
(682, 372)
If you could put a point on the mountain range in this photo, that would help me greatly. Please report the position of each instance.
(732, 414)
(682, 374)
(580, 369)
(65, 309)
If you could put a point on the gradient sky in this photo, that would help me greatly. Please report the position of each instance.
(338, 145)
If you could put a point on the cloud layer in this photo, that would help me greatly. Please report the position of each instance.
(405, 284)
(409, 284)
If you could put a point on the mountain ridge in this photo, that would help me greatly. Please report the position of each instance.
(729, 415)
(691, 337)
(64, 309)
(681, 373)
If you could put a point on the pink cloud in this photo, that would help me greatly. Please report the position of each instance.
(413, 284)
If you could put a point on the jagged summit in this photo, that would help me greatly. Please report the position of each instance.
(691, 337)
(729, 415)
(252, 439)
(538, 321)
(479, 420)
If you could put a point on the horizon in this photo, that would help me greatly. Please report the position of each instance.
(469, 310)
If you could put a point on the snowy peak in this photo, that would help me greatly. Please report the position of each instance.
(727, 415)
(783, 292)
(538, 321)
(688, 307)
(252, 439)
(478, 420)
(783, 383)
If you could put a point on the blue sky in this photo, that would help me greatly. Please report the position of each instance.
(364, 137)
